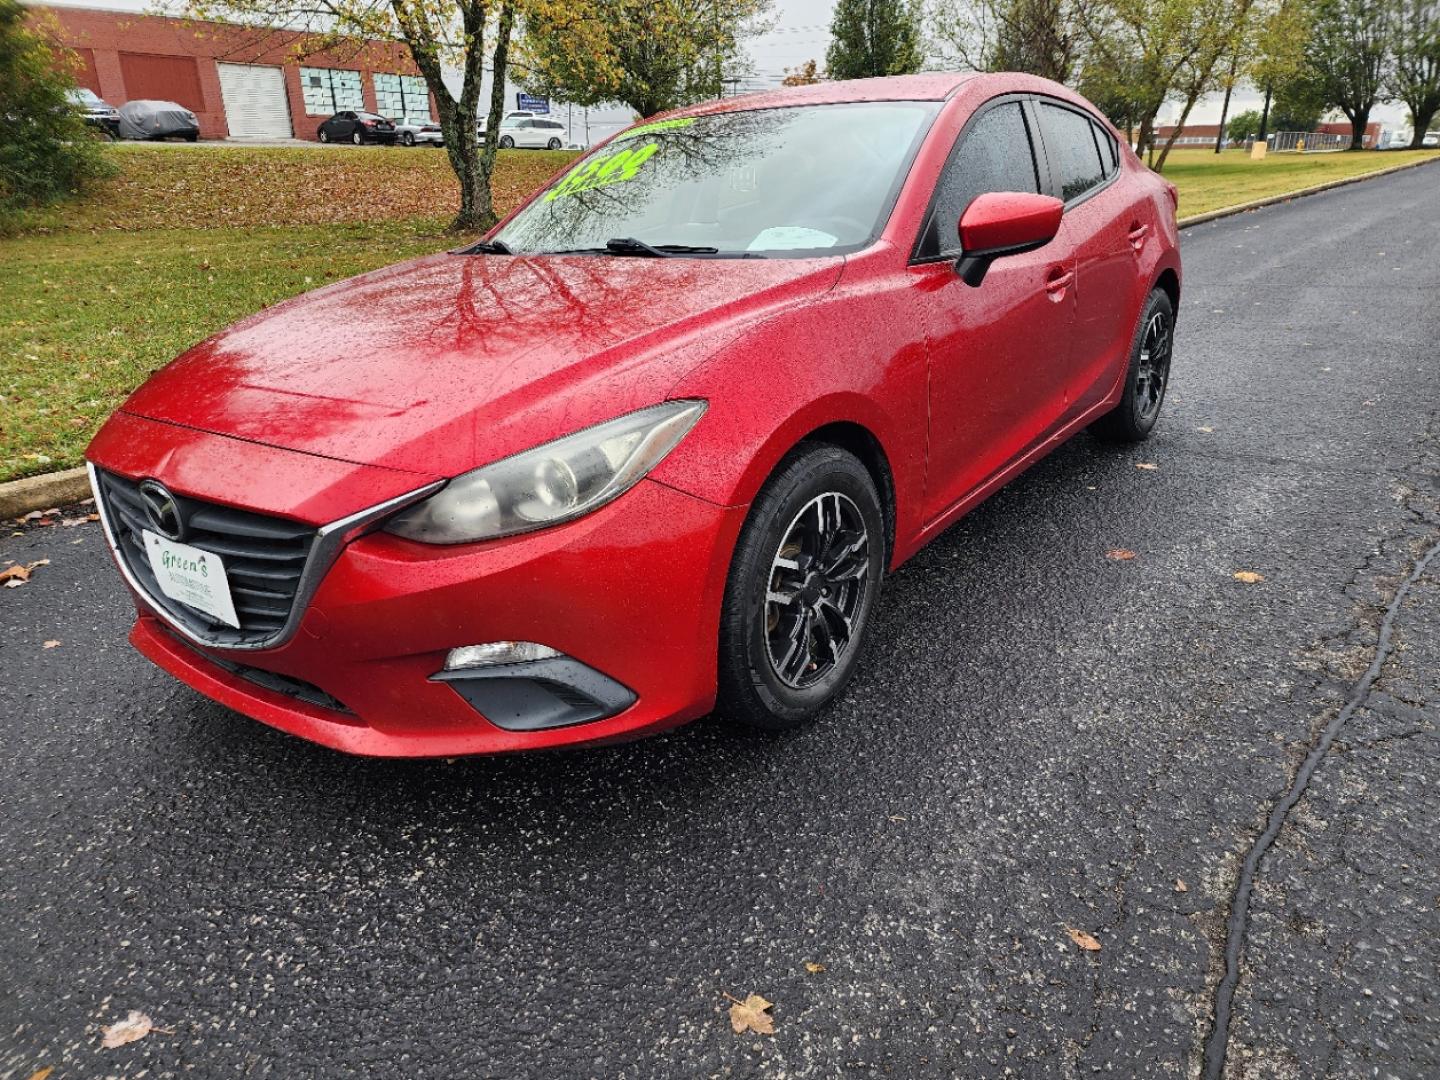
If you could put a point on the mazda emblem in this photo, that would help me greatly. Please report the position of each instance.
(162, 509)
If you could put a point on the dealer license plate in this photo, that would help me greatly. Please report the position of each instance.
(191, 576)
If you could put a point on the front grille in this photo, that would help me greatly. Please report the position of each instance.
(264, 559)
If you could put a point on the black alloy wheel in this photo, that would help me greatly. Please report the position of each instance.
(1148, 376)
(803, 581)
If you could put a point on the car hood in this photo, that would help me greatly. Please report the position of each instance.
(448, 362)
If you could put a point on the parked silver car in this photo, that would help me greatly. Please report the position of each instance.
(412, 130)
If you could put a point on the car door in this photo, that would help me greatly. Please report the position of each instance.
(344, 125)
(999, 352)
(1108, 226)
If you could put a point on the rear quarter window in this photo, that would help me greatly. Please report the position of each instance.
(1070, 141)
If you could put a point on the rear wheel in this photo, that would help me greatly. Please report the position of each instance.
(357, 138)
(553, 144)
(803, 582)
(408, 139)
(507, 143)
(1147, 377)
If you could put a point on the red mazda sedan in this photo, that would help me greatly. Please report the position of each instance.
(650, 448)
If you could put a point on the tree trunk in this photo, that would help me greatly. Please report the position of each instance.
(482, 209)
(1265, 115)
(1159, 166)
(1225, 106)
(1359, 121)
(1146, 143)
(1224, 112)
(1423, 120)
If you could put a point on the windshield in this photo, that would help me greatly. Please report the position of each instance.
(808, 180)
(82, 96)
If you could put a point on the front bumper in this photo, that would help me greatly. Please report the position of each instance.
(632, 591)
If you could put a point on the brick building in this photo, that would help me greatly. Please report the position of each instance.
(1204, 134)
(239, 81)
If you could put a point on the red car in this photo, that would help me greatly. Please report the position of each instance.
(650, 448)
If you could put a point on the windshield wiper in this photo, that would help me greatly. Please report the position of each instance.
(628, 245)
(489, 247)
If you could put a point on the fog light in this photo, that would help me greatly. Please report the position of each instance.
(497, 652)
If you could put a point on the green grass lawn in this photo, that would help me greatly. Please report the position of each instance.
(100, 293)
(1210, 181)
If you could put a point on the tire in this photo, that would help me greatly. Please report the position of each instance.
(1148, 376)
(358, 139)
(507, 143)
(553, 144)
(762, 682)
(193, 137)
(324, 135)
(408, 139)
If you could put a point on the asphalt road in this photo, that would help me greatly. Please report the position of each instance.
(1040, 739)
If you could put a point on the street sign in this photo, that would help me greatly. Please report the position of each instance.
(530, 103)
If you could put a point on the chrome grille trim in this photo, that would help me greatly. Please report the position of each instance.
(324, 546)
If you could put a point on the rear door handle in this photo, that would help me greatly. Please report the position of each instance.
(1137, 236)
(1059, 280)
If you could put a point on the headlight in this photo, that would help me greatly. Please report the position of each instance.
(551, 483)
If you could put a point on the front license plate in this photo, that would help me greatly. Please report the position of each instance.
(191, 576)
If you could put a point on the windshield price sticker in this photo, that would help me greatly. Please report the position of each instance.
(602, 171)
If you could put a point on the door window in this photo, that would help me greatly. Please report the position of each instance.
(993, 155)
(1070, 141)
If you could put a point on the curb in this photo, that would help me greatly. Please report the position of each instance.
(19, 497)
(1272, 200)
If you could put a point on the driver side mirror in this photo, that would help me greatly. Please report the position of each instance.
(1001, 223)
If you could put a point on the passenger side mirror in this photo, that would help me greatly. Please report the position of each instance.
(1001, 223)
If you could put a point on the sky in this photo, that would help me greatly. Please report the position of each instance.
(800, 32)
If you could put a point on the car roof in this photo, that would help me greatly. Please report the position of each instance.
(927, 86)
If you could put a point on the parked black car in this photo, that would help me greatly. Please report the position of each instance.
(158, 120)
(98, 114)
(357, 128)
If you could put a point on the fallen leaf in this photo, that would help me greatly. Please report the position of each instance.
(1249, 577)
(135, 1026)
(41, 1074)
(752, 1014)
(1084, 940)
(813, 968)
(1180, 885)
(51, 644)
(1120, 554)
(1148, 466)
(17, 574)
(1206, 430)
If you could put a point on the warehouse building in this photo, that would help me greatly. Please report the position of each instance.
(240, 82)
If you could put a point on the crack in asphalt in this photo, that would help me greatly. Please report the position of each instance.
(1237, 923)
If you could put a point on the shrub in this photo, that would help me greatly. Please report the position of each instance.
(46, 152)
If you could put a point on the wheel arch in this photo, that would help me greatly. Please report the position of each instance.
(1169, 282)
(860, 441)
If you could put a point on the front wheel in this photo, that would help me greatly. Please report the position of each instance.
(803, 582)
(324, 135)
(1147, 377)
(357, 138)
(408, 139)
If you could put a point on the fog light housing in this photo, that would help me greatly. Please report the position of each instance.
(497, 652)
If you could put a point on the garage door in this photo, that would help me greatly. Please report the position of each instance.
(256, 105)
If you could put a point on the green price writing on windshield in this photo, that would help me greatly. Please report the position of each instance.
(613, 168)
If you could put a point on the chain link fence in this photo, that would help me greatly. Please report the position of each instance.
(1304, 142)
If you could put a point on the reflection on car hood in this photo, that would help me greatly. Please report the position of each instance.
(450, 361)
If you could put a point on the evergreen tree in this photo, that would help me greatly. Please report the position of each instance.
(874, 37)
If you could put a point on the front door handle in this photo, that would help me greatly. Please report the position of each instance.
(1137, 236)
(1058, 281)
